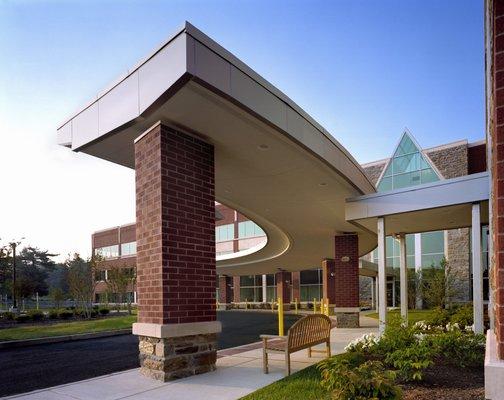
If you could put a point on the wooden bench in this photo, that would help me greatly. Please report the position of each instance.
(309, 331)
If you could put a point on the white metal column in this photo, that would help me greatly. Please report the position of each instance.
(382, 278)
(393, 292)
(403, 277)
(264, 290)
(373, 293)
(476, 269)
(418, 268)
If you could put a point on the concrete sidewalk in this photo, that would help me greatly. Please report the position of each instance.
(237, 374)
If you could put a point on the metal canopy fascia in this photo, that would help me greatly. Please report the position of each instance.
(295, 191)
(434, 206)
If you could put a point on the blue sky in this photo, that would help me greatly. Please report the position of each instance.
(363, 69)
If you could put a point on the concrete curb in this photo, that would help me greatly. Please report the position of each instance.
(11, 344)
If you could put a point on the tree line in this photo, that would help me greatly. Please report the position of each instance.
(73, 279)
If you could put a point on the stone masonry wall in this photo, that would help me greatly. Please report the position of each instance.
(374, 171)
(452, 162)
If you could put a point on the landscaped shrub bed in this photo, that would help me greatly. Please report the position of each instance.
(417, 362)
(39, 317)
(419, 358)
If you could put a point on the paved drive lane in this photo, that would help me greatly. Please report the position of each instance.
(36, 367)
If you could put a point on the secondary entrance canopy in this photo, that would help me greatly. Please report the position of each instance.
(273, 162)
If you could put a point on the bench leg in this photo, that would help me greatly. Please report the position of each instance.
(328, 348)
(265, 360)
(309, 351)
(287, 363)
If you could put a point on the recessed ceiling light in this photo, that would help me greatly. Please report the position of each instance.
(263, 147)
(322, 184)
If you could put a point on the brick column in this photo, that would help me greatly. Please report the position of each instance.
(225, 292)
(283, 281)
(329, 283)
(346, 269)
(236, 289)
(296, 289)
(175, 231)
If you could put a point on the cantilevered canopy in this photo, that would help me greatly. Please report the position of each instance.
(433, 206)
(274, 163)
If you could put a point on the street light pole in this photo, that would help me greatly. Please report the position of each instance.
(14, 302)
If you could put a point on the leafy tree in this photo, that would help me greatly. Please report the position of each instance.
(57, 296)
(81, 282)
(439, 285)
(120, 281)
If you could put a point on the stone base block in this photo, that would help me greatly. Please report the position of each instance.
(224, 306)
(166, 359)
(347, 319)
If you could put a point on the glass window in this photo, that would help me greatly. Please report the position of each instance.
(251, 288)
(128, 249)
(249, 229)
(432, 248)
(108, 251)
(224, 233)
(408, 167)
(310, 285)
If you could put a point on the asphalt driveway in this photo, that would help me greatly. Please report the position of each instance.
(37, 367)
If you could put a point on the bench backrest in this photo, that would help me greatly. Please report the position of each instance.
(309, 330)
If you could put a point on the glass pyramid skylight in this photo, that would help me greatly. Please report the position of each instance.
(407, 167)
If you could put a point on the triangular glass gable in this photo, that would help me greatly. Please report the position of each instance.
(408, 167)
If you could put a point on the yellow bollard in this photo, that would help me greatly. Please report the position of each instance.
(314, 305)
(326, 306)
(280, 317)
(296, 305)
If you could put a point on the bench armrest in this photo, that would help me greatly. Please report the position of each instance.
(272, 337)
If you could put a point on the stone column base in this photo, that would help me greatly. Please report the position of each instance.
(347, 317)
(169, 352)
(166, 359)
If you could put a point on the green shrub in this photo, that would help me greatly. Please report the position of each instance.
(459, 348)
(463, 316)
(104, 311)
(65, 314)
(93, 313)
(8, 316)
(36, 315)
(396, 336)
(410, 362)
(96, 307)
(21, 318)
(438, 317)
(349, 379)
(53, 314)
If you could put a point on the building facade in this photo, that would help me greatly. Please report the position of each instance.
(409, 165)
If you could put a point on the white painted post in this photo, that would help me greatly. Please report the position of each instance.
(382, 278)
(477, 270)
(393, 292)
(373, 303)
(403, 277)
(418, 268)
(264, 291)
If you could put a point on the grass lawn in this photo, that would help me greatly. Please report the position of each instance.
(413, 315)
(303, 385)
(67, 328)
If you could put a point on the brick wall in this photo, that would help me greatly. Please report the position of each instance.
(346, 267)
(225, 291)
(283, 283)
(329, 280)
(175, 227)
(496, 132)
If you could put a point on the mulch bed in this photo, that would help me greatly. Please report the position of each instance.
(444, 382)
